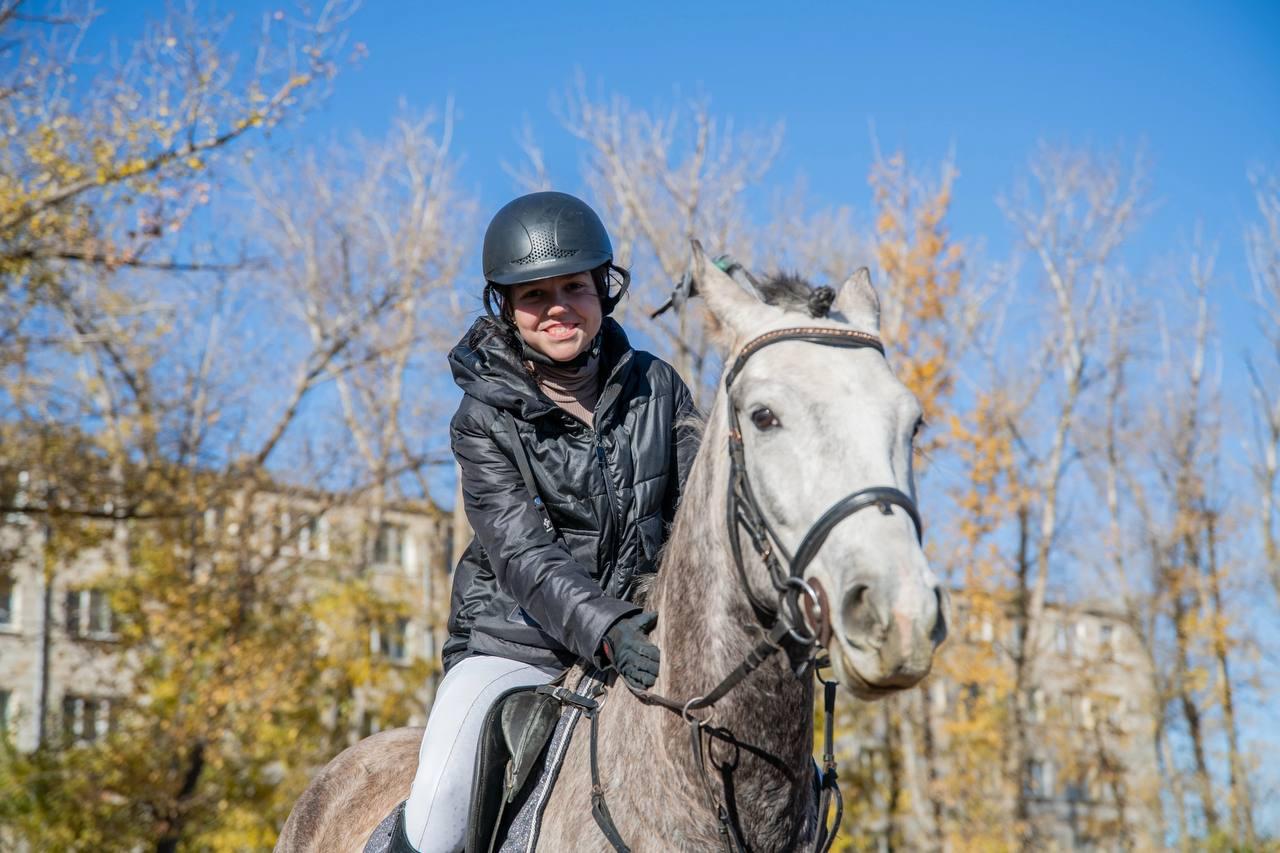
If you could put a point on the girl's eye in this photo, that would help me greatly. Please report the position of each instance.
(764, 419)
(530, 296)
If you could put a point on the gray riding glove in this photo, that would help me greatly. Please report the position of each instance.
(627, 647)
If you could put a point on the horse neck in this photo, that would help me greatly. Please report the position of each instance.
(706, 629)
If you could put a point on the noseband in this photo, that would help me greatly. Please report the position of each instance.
(796, 597)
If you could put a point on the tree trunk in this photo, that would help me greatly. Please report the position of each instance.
(1170, 772)
(1191, 711)
(1241, 802)
(1021, 754)
(893, 766)
(934, 829)
(168, 842)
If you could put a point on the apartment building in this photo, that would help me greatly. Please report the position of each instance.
(62, 671)
(1091, 779)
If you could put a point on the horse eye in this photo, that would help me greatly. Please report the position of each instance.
(764, 419)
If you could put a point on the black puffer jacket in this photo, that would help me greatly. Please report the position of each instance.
(542, 597)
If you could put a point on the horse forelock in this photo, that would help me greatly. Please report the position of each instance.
(792, 292)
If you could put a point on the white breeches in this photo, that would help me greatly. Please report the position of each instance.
(435, 815)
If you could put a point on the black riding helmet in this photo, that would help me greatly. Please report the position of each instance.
(547, 234)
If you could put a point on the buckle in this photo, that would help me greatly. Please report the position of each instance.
(567, 697)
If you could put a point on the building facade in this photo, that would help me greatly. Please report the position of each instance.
(62, 671)
(1090, 779)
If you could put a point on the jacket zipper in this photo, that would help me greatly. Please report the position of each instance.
(613, 513)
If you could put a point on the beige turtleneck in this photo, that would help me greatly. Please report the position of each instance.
(575, 391)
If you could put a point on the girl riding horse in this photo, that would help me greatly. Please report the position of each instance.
(573, 450)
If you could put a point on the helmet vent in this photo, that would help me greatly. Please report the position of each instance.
(544, 249)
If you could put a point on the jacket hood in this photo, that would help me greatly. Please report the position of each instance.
(486, 368)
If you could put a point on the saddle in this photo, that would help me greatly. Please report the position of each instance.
(513, 743)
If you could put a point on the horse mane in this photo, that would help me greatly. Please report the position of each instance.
(792, 292)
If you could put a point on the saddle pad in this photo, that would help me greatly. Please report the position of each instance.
(522, 836)
(380, 840)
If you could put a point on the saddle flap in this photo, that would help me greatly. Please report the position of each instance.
(487, 799)
(514, 734)
(528, 719)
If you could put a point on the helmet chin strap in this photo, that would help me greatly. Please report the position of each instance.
(578, 361)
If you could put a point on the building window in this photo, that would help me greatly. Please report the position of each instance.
(872, 764)
(1084, 788)
(85, 718)
(282, 533)
(1035, 705)
(89, 614)
(214, 517)
(1072, 704)
(1013, 639)
(8, 600)
(372, 722)
(20, 497)
(4, 712)
(313, 538)
(391, 640)
(307, 534)
(446, 549)
(1065, 639)
(1107, 641)
(388, 546)
(1039, 780)
(1086, 712)
(938, 696)
(1110, 712)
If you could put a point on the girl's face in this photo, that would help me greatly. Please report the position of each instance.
(559, 316)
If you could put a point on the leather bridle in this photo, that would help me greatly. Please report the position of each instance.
(800, 618)
(795, 595)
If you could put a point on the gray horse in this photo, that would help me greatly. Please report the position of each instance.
(818, 423)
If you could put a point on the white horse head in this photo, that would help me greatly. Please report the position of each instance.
(818, 424)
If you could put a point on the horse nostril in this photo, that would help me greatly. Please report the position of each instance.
(939, 632)
(858, 615)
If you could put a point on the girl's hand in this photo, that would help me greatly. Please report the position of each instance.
(627, 647)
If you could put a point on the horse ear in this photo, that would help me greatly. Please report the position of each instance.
(734, 310)
(857, 302)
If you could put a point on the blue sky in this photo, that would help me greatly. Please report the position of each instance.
(1197, 86)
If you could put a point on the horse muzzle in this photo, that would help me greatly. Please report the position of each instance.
(880, 646)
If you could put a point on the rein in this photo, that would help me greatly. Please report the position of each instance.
(800, 618)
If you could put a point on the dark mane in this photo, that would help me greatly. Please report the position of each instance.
(793, 293)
